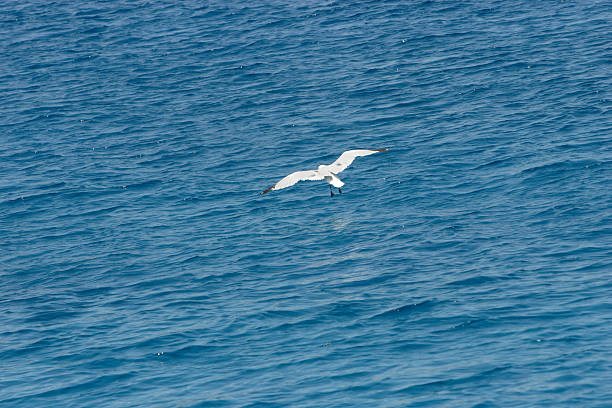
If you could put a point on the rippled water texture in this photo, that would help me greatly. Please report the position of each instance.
(467, 266)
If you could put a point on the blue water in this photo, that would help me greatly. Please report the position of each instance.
(468, 266)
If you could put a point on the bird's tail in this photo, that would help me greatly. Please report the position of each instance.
(334, 180)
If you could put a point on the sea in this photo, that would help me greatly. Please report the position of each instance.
(470, 265)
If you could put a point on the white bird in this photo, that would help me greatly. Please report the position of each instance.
(327, 172)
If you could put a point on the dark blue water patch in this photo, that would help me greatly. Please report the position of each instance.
(407, 309)
(455, 382)
(212, 404)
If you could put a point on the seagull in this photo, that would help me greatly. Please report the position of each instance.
(327, 172)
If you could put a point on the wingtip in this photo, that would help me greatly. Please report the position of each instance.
(266, 190)
(382, 150)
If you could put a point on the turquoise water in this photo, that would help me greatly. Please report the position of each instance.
(468, 266)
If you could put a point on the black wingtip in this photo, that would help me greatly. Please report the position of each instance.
(381, 150)
(266, 190)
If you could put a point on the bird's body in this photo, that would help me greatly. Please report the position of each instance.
(327, 172)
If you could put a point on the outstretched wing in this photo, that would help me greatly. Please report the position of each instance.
(347, 158)
(294, 178)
